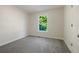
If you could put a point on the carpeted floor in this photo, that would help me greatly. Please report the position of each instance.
(33, 44)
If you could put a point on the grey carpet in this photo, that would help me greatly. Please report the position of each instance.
(35, 45)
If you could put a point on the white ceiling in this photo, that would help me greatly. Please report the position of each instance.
(37, 8)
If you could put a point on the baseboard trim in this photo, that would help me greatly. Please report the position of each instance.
(46, 37)
(13, 40)
(67, 46)
(24, 37)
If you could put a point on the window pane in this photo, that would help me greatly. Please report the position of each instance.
(43, 23)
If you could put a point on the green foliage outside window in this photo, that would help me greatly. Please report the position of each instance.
(43, 23)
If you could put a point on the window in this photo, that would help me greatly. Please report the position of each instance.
(42, 23)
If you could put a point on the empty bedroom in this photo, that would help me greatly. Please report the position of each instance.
(39, 28)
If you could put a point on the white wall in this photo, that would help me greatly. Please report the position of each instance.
(70, 33)
(13, 24)
(55, 23)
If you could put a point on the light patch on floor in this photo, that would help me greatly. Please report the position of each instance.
(35, 45)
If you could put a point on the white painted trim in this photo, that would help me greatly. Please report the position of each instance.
(13, 40)
(68, 46)
(49, 37)
(23, 37)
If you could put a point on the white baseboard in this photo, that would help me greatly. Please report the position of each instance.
(49, 37)
(13, 40)
(19, 39)
(68, 46)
